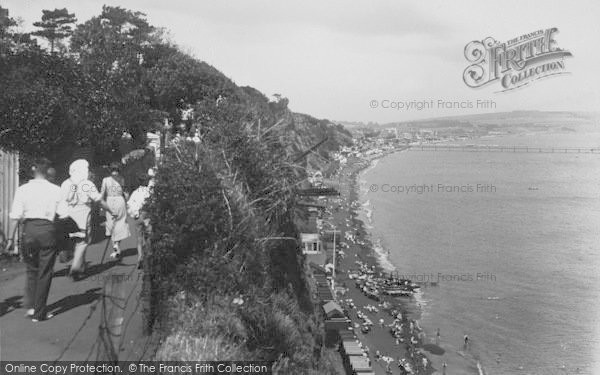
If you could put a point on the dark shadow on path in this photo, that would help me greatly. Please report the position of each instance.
(73, 301)
(10, 304)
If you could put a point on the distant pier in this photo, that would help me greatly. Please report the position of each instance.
(521, 149)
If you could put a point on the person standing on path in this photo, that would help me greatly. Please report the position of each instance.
(116, 220)
(78, 194)
(135, 209)
(36, 204)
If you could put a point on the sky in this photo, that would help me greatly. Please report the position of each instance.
(350, 60)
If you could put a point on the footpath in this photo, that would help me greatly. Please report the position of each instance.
(96, 318)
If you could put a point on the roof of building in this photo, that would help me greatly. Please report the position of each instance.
(309, 237)
(331, 309)
(360, 363)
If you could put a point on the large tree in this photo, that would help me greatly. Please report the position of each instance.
(50, 107)
(111, 48)
(55, 26)
(114, 41)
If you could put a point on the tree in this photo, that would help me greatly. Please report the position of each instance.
(50, 107)
(111, 49)
(5, 23)
(11, 40)
(113, 42)
(176, 82)
(5, 20)
(55, 26)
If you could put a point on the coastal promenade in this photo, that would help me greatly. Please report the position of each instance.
(96, 318)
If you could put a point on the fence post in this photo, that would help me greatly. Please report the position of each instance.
(112, 317)
(148, 310)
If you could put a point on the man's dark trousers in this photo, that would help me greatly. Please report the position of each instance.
(39, 251)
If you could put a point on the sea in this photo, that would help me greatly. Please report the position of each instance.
(507, 246)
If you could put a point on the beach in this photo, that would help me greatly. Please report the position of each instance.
(526, 300)
(358, 252)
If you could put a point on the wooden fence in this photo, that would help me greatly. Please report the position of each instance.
(9, 181)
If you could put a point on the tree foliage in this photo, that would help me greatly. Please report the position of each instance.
(10, 39)
(55, 25)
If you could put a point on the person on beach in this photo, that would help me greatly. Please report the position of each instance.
(35, 205)
(78, 193)
(466, 341)
(437, 337)
(116, 219)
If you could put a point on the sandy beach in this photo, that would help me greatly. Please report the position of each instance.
(356, 251)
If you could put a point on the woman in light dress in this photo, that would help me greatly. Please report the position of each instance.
(78, 194)
(116, 220)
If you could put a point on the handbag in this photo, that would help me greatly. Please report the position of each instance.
(63, 227)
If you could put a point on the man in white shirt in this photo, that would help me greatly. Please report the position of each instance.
(35, 205)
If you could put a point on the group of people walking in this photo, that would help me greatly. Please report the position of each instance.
(53, 216)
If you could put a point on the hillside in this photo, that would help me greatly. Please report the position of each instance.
(298, 131)
(500, 122)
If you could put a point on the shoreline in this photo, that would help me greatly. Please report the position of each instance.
(358, 251)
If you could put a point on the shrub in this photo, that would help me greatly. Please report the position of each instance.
(219, 211)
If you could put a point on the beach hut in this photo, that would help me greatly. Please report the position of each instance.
(360, 365)
(352, 348)
(347, 335)
(337, 324)
(335, 319)
(333, 310)
(310, 242)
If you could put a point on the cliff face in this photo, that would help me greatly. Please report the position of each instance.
(297, 131)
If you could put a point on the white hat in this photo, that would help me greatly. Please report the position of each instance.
(79, 170)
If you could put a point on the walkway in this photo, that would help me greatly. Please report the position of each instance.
(97, 318)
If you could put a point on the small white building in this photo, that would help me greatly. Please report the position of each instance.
(311, 243)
